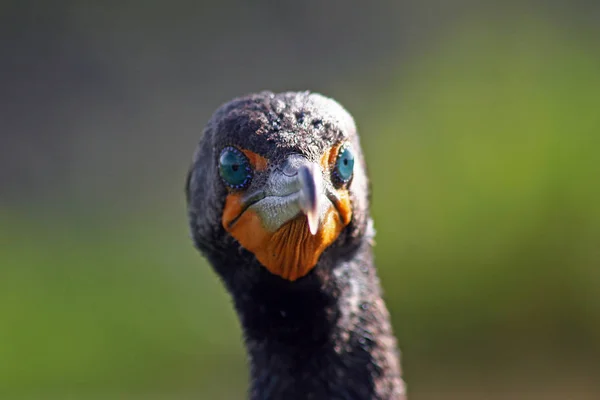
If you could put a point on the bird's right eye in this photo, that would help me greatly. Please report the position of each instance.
(234, 168)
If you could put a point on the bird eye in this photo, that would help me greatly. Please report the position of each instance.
(234, 168)
(344, 165)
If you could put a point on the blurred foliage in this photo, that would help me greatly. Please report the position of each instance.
(490, 170)
(483, 157)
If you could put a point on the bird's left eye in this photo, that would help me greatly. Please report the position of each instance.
(234, 168)
(344, 165)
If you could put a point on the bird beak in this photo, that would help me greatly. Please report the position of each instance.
(311, 186)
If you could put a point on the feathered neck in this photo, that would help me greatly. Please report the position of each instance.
(325, 336)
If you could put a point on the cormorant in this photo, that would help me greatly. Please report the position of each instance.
(278, 202)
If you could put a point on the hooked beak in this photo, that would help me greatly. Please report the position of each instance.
(297, 187)
(311, 186)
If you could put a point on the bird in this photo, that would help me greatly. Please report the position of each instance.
(278, 203)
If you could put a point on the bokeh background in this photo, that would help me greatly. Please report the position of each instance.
(481, 126)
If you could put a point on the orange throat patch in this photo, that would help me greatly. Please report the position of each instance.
(292, 251)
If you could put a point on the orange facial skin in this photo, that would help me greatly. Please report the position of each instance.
(258, 162)
(292, 251)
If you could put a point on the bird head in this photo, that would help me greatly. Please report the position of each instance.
(277, 182)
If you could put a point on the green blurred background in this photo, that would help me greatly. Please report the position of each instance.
(480, 122)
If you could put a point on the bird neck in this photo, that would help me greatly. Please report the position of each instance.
(325, 336)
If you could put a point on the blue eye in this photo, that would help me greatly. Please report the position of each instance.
(234, 168)
(344, 165)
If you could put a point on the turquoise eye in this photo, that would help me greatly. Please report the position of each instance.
(344, 165)
(234, 168)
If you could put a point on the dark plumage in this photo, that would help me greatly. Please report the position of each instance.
(311, 331)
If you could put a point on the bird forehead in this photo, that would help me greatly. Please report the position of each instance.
(282, 140)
